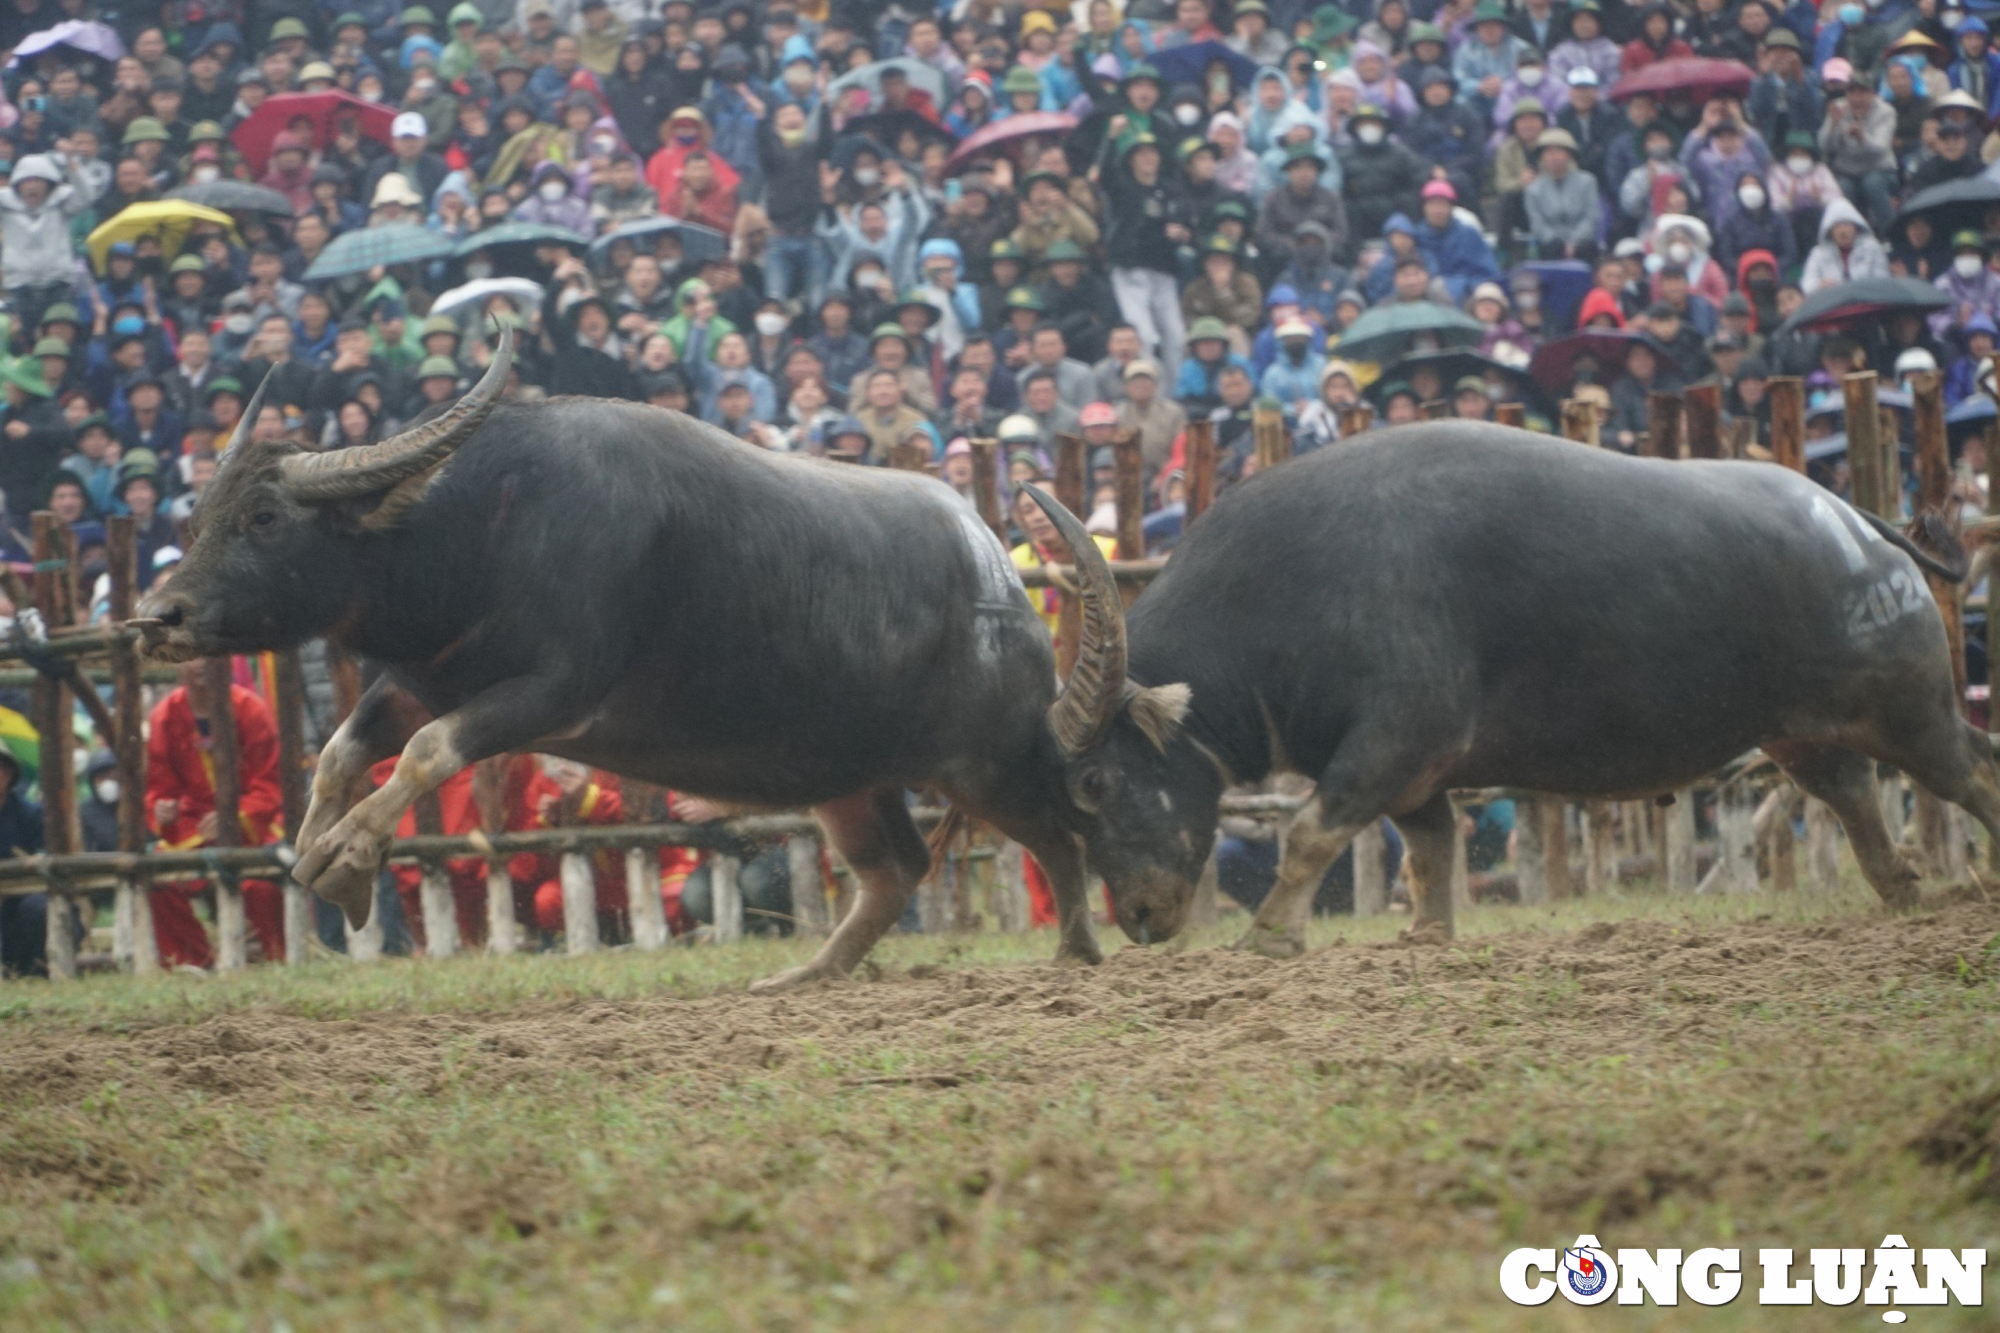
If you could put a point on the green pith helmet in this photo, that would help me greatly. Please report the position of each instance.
(1207, 329)
(436, 367)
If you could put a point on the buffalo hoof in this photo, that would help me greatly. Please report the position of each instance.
(341, 868)
(1426, 932)
(1079, 953)
(1268, 943)
(792, 978)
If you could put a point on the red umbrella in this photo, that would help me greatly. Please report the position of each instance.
(324, 110)
(1005, 132)
(1554, 366)
(1698, 77)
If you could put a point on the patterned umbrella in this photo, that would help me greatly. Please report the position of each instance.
(358, 251)
(699, 244)
(235, 196)
(519, 233)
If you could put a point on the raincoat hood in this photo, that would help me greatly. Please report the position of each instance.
(1840, 211)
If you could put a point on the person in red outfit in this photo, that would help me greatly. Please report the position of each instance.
(528, 790)
(582, 796)
(180, 809)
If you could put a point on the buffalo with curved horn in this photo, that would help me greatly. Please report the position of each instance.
(635, 590)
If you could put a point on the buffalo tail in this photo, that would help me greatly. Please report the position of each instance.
(1934, 532)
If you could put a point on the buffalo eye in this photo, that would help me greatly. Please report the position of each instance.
(1088, 789)
(263, 518)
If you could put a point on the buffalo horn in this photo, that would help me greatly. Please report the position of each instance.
(247, 423)
(1096, 685)
(366, 469)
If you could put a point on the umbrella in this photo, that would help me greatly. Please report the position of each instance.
(168, 219)
(1697, 77)
(926, 78)
(1189, 63)
(699, 244)
(1387, 331)
(324, 110)
(1554, 366)
(1967, 418)
(526, 295)
(21, 742)
(236, 196)
(519, 233)
(1958, 205)
(95, 39)
(889, 126)
(1847, 305)
(1010, 130)
(358, 251)
(1564, 281)
(1453, 364)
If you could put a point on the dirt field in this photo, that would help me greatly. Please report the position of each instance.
(971, 1139)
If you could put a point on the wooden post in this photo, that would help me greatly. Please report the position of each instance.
(1678, 834)
(579, 894)
(1783, 801)
(1892, 461)
(1555, 848)
(1461, 867)
(289, 684)
(489, 794)
(907, 457)
(1663, 425)
(232, 950)
(1599, 847)
(1822, 847)
(1510, 414)
(726, 896)
(1701, 409)
(1437, 409)
(1201, 467)
(1073, 494)
(364, 945)
(1938, 827)
(1864, 448)
(1010, 888)
(1531, 864)
(809, 914)
(1355, 420)
(54, 554)
(1131, 468)
(986, 486)
(1788, 421)
(1371, 882)
(1273, 441)
(643, 804)
(1579, 421)
(1736, 830)
(137, 945)
(434, 884)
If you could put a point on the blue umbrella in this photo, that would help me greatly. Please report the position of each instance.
(1187, 64)
(699, 244)
(1564, 281)
(1967, 418)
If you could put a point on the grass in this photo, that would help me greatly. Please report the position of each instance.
(972, 1138)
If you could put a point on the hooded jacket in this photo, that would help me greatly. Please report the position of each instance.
(1826, 265)
(570, 211)
(35, 242)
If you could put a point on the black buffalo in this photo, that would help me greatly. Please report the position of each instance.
(1459, 605)
(632, 589)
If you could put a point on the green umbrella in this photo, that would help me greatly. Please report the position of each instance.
(520, 233)
(1388, 331)
(395, 243)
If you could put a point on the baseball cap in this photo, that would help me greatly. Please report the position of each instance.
(1440, 190)
(1583, 76)
(1141, 366)
(1098, 414)
(410, 125)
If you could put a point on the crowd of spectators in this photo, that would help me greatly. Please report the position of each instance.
(882, 229)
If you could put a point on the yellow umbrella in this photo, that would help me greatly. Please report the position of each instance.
(168, 219)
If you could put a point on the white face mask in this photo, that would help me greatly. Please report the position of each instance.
(107, 791)
(475, 269)
(1752, 197)
(771, 324)
(552, 191)
(1679, 253)
(239, 324)
(603, 147)
(1951, 18)
(1529, 75)
(1967, 266)
(1369, 134)
(203, 175)
(866, 176)
(1187, 115)
(1799, 165)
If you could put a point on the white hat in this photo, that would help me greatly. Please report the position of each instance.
(1914, 359)
(1294, 328)
(410, 125)
(393, 189)
(1583, 76)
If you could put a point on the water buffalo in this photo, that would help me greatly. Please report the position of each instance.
(630, 588)
(1462, 605)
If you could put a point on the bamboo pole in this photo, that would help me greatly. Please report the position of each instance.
(986, 486)
(289, 685)
(1937, 823)
(809, 912)
(1866, 482)
(53, 551)
(1510, 414)
(1131, 473)
(1437, 409)
(579, 899)
(1272, 441)
(1579, 421)
(1356, 420)
(364, 943)
(1201, 468)
(1531, 866)
(489, 797)
(134, 941)
(643, 803)
(232, 950)
(1788, 421)
(1371, 880)
(1663, 425)
(434, 896)
(1701, 416)
(726, 895)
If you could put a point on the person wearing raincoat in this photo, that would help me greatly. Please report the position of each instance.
(554, 202)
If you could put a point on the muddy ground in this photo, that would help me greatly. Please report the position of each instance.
(1197, 1138)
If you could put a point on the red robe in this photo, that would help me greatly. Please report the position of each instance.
(525, 786)
(180, 768)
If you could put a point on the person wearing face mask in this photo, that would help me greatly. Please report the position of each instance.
(1847, 250)
(1970, 282)
(1856, 35)
(1529, 80)
(791, 146)
(1976, 71)
(1293, 377)
(1858, 138)
(551, 202)
(1379, 176)
(1784, 98)
(1754, 225)
(98, 811)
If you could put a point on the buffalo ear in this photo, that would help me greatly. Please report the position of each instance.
(399, 500)
(1158, 711)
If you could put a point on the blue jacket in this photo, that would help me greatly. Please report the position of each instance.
(1198, 380)
(1289, 383)
(1459, 255)
(1991, 60)
(736, 132)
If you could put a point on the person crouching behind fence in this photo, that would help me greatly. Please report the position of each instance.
(180, 808)
(527, 790)
(587, 798)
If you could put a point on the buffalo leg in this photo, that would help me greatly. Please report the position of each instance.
(341, 865)
(874, 834)
(1430, 834)
(1313, 840)
(1057, 852)
(1956, 765)
(1845, 780)
(381, 724)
